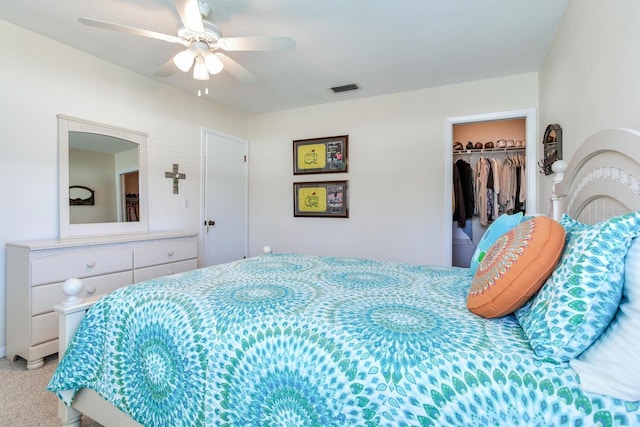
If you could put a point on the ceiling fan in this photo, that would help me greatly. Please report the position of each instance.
(204, 43)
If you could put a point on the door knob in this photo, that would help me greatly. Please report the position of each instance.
(209, 223)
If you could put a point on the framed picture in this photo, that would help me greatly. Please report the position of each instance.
(321, 199)
(321, 155)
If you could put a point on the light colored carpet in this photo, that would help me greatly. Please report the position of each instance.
(24, 399)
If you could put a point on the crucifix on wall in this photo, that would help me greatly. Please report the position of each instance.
(176, 176)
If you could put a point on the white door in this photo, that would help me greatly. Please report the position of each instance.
(225, 194)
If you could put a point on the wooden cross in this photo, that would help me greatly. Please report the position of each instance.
(176, 176)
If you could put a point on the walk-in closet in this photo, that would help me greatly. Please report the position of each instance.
(489, 179)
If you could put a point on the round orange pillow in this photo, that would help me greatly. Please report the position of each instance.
(515, 267)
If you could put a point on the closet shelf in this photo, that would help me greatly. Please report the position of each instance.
(491, 150)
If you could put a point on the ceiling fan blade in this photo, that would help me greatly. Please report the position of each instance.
(236, 70)
(131, 30)
(257, 43)
(167, 69)
(190, 14)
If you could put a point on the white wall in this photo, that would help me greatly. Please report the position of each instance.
(396, 170)
(41, 78)
(590, 79)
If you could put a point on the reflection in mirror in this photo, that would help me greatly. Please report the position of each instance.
(110, 163)
(81, 196)
(102, 162)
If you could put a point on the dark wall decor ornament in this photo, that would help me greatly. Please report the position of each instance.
(552, 148)
(175, 175)
(79, 195)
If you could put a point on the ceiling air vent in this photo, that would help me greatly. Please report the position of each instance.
(345, 88)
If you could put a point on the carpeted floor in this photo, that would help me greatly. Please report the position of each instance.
(24, 399)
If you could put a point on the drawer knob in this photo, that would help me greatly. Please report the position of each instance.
(91, 290)
(91, 264)
(170, 252)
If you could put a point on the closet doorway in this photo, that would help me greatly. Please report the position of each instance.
(513, 142)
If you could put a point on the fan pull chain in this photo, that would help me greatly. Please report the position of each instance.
(206, 91)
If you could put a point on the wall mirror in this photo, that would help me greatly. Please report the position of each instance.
(102, 180)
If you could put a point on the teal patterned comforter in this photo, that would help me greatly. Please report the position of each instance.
(295, 340)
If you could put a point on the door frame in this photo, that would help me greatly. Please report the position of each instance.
(203, 206)
(531, 123)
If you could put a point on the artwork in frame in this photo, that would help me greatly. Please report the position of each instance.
(321, 199)
(321, 155)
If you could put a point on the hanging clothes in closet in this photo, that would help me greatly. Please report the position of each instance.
(485, 190)
(463, 193)
(491, 187)
(513, 184)
(500, 187)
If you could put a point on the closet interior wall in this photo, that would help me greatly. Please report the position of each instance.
(466, 238)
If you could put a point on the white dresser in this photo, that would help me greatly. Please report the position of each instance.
(36, 271)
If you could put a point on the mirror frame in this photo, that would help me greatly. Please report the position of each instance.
(68, 124)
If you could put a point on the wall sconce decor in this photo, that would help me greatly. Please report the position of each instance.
(80, 195)
(552, 148)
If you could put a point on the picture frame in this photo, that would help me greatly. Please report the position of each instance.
(321, 155)
(321, 199)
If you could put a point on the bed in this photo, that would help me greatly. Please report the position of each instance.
(290, 339)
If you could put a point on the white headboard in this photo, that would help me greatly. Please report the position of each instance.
(601, 180)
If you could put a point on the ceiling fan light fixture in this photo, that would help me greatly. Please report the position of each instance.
(200, 69)
(213, 63)
(202, 39)
(184, 60)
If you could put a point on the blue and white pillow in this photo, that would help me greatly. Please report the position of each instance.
(496, 229)
(610, 365)
(581, 297)
(571, 224)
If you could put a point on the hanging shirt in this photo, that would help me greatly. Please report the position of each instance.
(497, 174)
(464, 198)
(481, 174)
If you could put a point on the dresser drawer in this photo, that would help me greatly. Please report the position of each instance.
(163, 252)
(56, 268)
(44, 328)
(46, 296)
(164, 270)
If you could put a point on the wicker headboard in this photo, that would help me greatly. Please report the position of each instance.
(601, 180)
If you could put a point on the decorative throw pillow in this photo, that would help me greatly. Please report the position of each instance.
(610, 365)
(515, 267)
(571, 224)
(581, 297)
(497, 228)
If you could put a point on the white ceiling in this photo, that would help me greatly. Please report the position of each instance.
(382, 46)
